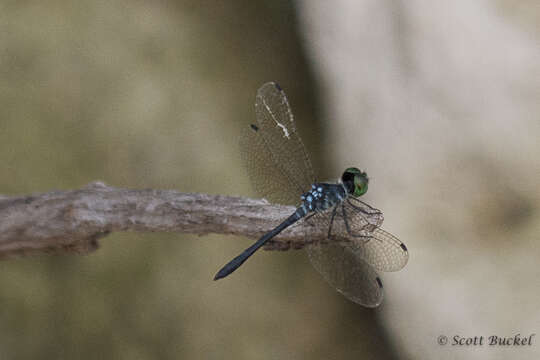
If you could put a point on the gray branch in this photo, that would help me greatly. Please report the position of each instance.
(73, 221)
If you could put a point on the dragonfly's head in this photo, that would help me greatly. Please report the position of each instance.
(355, 181)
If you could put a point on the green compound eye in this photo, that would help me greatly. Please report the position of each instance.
(360, 184)
(355, 181)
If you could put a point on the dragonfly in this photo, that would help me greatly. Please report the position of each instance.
(353, 245)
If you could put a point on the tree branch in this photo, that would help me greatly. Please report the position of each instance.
(73, 221)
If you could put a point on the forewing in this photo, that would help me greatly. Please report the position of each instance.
(379, 248)
(264, 174)
(356, 219)
(274, 154)
(382, 250)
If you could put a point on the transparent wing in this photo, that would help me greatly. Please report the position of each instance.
(347, 272)
(355, 246)
(264, 174)
(359, 225)
(275, 157)
(356, 219)
(383, 251)
(342, 268)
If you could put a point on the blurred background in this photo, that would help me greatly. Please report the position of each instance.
(438, 101)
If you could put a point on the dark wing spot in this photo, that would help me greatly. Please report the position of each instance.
(278, 87)
(403, 246)
(379, 282)
(254, 127)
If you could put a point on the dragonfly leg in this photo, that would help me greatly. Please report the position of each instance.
(332, 222)
(309, 216)
(346, 220)
(375, 211)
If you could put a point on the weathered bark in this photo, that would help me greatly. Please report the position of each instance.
(73, 221)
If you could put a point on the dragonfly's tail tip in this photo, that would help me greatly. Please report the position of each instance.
(217, 277)
(221, 274)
